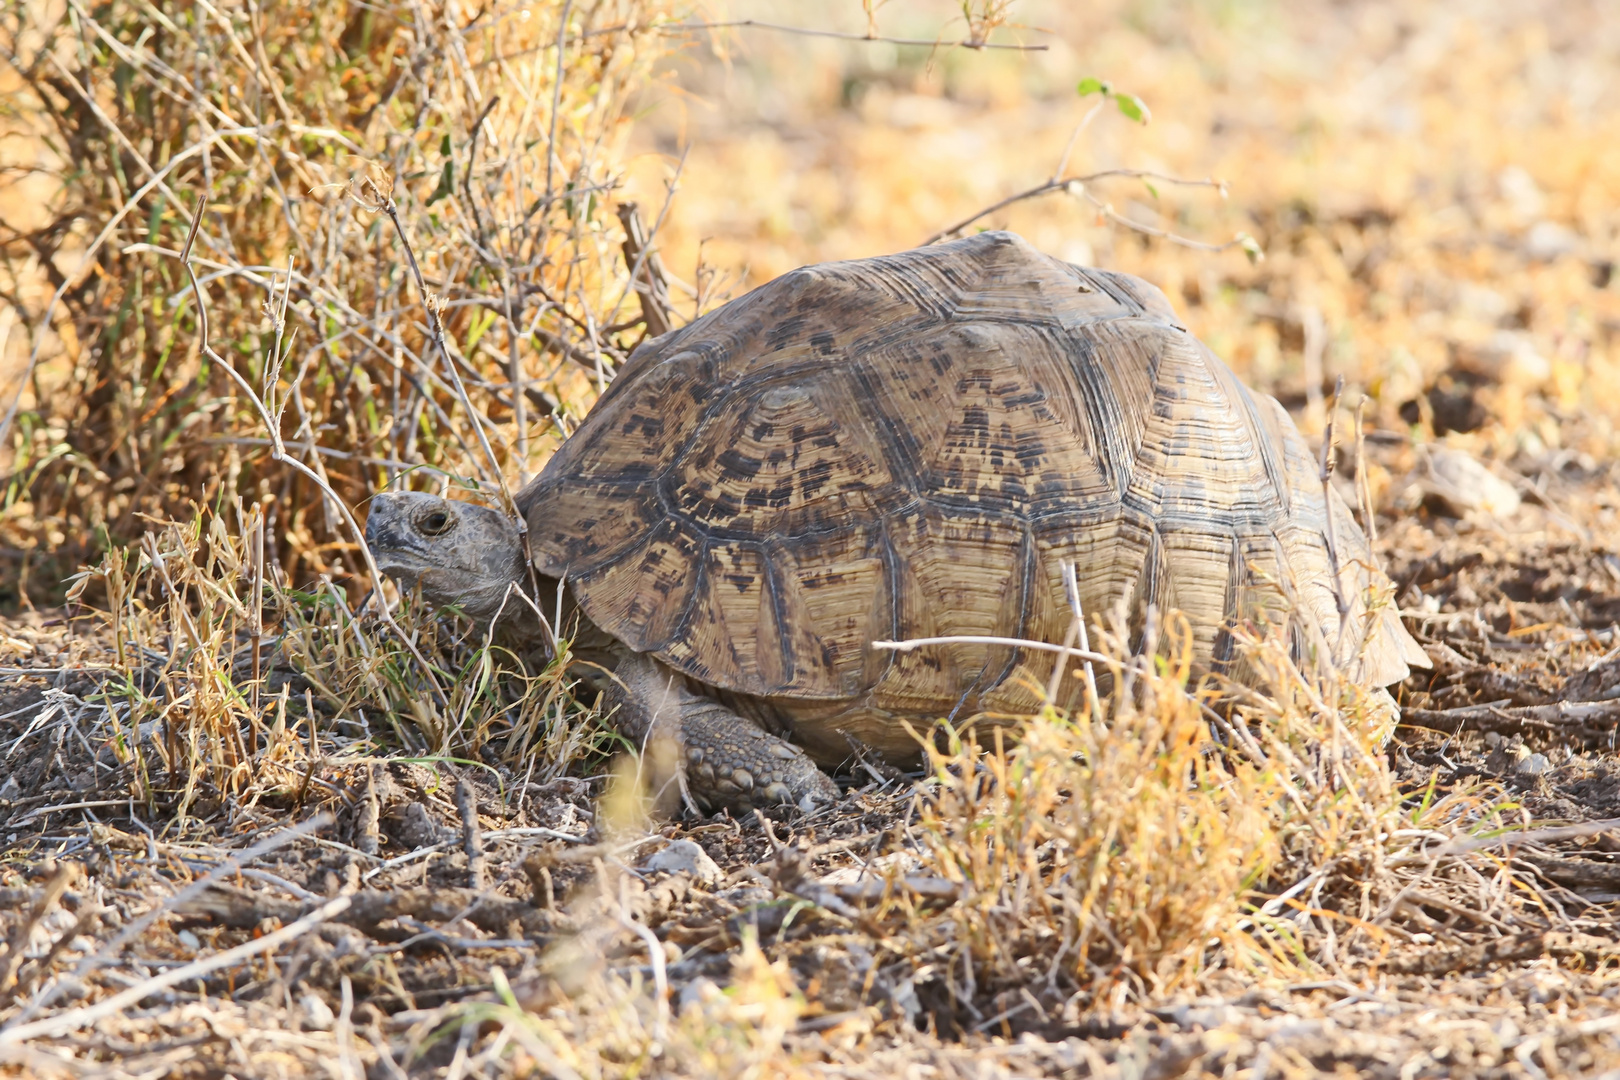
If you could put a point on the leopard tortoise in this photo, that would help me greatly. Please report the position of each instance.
(901, 447)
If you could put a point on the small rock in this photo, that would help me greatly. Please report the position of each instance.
(419, 830)
(1548, 240)
(896, 862)
(685, 857)
(317, 1013)
(1511, 356)
(1507, 757)
(1521, 192)
(1534, 765)
(1465, 485)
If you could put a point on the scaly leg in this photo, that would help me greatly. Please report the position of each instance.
(729, 761)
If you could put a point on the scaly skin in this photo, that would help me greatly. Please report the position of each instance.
(729, 761)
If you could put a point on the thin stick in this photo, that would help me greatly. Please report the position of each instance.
(1363, 484)
(471, 838)
(256, 623)
(1076, 185)
(647, 271)
(1315, 329)
(556, 96)
(1074, 137)
(645, 252)
(1056, 681)
(17, 947)
(520, 385)
(1327, 508)
(841, 35)
(1071, 585)
(754, 24)
(984, 639)
(1532, 836)
(278, 452)
(655, 957)
(77, 1018)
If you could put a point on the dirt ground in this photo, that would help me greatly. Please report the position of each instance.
(1519, 612)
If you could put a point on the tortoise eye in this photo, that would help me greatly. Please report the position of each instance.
(435, 523)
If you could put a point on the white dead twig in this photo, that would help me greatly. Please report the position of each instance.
(970, 42)
(985, 639)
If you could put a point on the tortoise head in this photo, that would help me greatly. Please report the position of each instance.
(458, 553)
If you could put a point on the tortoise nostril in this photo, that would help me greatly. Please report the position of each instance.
(435, 523)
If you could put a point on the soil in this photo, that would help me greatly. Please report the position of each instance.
(1519, 614)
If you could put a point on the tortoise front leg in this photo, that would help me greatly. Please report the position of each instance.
(729, 761)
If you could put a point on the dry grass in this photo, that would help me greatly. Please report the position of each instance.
(199, 706)
(296, 121)
(1090, 874)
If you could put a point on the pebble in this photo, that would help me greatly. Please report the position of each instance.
(1534, 765)
(685, 857)
(1466, 485)
(317, 1013)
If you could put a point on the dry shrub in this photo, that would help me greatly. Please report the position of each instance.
(231, 687)
(1121, 843)
(295, 118)
(1132, 854)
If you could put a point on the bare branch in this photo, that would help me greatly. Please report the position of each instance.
(805, 31)
(279, 452)
(1076, 185)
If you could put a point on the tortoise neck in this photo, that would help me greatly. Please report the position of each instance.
(566, 619)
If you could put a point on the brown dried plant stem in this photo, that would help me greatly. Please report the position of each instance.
(278, 452)
(1076, 185)
(807, 31)
(384, 203)
(1329, 452)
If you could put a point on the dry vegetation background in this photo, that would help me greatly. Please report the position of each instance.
(257, 822)
(1435, 183)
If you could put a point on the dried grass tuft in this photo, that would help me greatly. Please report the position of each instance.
(230, 687)
(617, 1026)
(1162, 847)
(1102, 857)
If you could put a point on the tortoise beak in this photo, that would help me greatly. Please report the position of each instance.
(391, 534)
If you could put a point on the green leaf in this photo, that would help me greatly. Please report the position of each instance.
(480, 324)
(1153, 191)
(447, 183)
(1089, 86)
(1251, 247)
(1133, 107)
(444, 146)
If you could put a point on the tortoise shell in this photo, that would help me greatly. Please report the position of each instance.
(910, 446)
